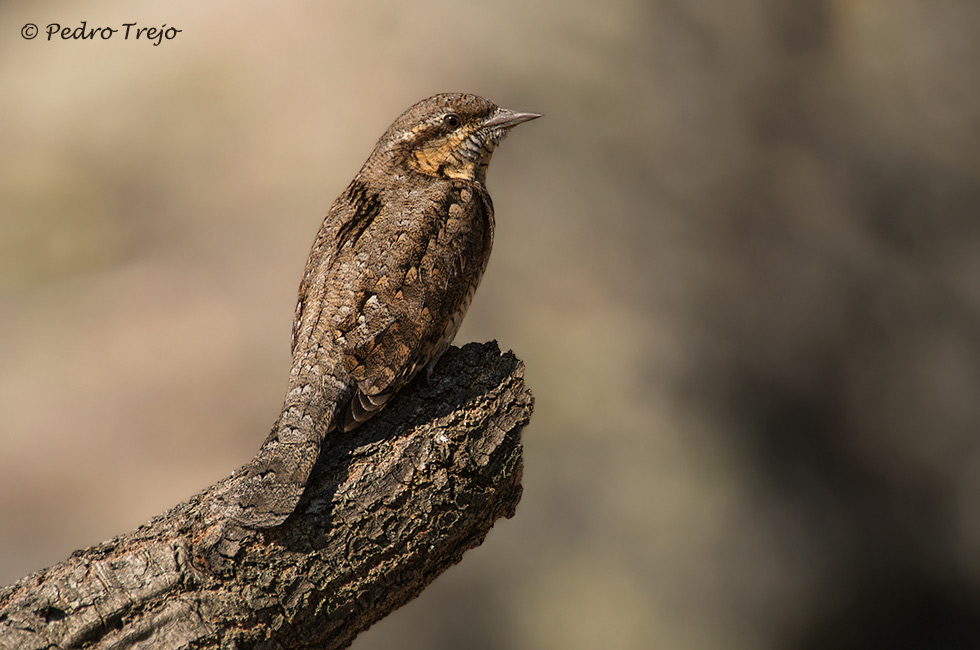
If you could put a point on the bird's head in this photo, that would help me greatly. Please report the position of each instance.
(452, 135)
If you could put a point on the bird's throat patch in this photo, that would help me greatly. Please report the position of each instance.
(441, 157)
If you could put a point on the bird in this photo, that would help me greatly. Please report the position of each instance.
(391, 274)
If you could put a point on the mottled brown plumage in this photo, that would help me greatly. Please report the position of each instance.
(391, 274)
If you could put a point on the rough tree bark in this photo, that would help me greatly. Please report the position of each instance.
(388, 508)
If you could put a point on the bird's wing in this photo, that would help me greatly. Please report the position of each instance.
(348, 218)
(413, 297)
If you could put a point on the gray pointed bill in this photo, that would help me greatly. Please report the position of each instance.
(505, 118)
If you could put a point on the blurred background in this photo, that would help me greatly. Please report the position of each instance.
(740, 257)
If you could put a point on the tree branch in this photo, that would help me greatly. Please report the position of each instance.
(388, 508)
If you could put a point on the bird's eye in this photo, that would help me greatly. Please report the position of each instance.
(451, 120)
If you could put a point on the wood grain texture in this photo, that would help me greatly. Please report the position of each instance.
(388, 508)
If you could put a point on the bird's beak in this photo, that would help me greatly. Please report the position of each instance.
(506, 119)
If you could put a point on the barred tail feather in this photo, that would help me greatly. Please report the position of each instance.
(271, 484)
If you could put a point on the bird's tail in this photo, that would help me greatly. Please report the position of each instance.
(268, 488)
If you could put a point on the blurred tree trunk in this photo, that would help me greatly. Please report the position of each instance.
(387, 509)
